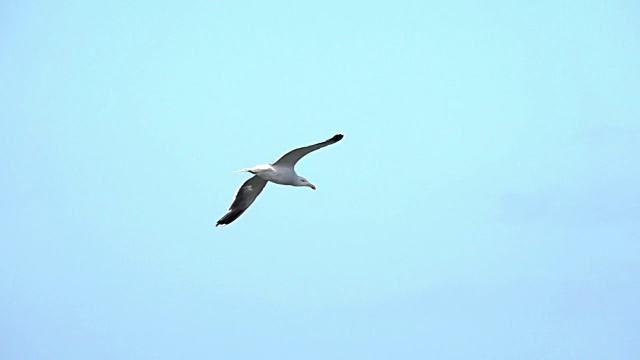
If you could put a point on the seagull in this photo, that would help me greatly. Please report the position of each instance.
(280, 172)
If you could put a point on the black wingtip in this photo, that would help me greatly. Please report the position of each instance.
(229, 217)
(337, 137)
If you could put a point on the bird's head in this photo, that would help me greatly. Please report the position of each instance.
(304, 182)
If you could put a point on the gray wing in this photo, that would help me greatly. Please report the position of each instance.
(292, 157)
(245, 196)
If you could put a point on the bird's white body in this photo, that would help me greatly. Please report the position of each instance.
(282, 175)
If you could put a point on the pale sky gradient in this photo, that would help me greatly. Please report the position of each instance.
(484, 203)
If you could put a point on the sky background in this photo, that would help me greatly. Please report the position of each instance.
(484, 203)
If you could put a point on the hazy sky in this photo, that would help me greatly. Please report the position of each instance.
(484, 203)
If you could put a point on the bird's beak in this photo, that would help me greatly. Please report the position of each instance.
(311, 186)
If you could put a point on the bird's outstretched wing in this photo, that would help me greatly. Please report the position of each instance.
(292, 157)
(245, 196)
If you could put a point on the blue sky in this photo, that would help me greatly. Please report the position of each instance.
(483, 204)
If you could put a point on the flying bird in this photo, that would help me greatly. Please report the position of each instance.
(280, 172)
